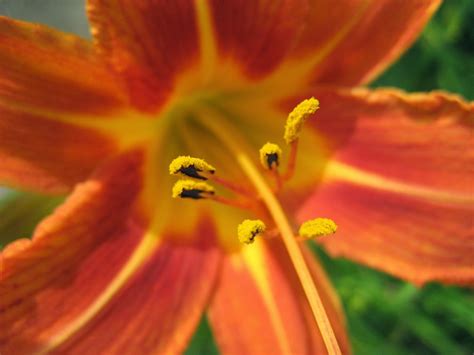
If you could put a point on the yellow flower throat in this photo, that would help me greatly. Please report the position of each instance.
(261, 201)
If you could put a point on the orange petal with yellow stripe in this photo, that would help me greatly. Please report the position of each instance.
(350, 42)
(418, 139)
(259, 306)
(46, 71)
(165, 48)
(51, 84)
(46, 155)
(95, 276)
(398, 181)
(149, 43)
(415, 238)
(158, 309)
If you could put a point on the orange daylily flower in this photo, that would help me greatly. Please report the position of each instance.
(121, 267)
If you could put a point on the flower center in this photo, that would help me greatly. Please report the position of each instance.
(259, 198)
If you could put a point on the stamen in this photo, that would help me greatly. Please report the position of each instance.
(297, 117)
(192, 189)
(294, 252)
(221, 129)
(293, 127)
(270, 155)
(200, 169)
(248, 230)
(191, 167)
(317, 228)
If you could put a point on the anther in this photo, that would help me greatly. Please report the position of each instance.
(270, 156)
(317, 228)
(192, 189)
(191, 167)
(249, 229)
(297, 117)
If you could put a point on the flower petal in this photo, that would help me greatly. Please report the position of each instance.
(257, 34)
(421, 139)
(50, 84)
(259, 306)
(159, 308)
(37, 271)
(166, 47)
(43, 70)
(412, 238)
(47, 155)
(94, 277)
(398, 181)
(150, 43)
(350, 42)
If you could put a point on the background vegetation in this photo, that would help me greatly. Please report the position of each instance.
(385, 315)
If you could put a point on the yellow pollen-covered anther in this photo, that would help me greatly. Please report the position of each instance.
(249, 229)
(191, 167)
(192, 189)
(317, 228)
(297, 117)
(270, 155)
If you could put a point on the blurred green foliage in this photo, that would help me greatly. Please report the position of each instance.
(385, 315)
(443, 57)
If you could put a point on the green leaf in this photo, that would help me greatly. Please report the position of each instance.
(202, 342)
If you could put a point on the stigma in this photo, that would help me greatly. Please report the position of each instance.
(297, 117)
(318, 227)
(270, 156)
(192, 189)
(191, 167)
(249, 229)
